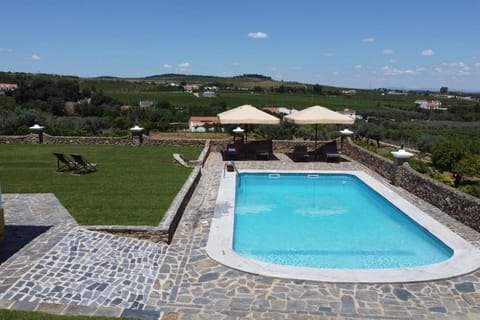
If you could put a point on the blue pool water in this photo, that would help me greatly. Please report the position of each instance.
(326, 221)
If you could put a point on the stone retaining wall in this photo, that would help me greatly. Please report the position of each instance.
(459, 205)
(370, 159)
(283, 146)
(126, 140)
(29, 138)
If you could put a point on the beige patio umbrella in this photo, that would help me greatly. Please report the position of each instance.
(318, 115)
(247, 114)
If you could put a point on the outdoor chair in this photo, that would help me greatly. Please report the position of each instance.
(82, 165)
(330, 152)
(179, 159)
(263, 149)
(64, 163)
(300, 153)
(232, 151)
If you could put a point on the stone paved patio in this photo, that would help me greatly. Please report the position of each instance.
(67, 269)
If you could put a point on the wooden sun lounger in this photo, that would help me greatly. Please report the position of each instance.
(64, 163)
(82, 165)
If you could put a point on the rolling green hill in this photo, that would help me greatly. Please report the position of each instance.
(244, 81)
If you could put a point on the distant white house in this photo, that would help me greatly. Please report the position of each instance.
(430, 105)
(350, 92)
(197, 123)
(145, 103)
(191, 87)
(282, 110)
(212, 88)
(209, 94)
(6, 87)
(352, 114)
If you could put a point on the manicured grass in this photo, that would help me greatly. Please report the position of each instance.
(359, 102)
(24, 315)
(134, 185)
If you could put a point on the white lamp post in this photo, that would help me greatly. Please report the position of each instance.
(39, 130)
(345, 133)
(137, 131)
(238, 133)
(400, 156)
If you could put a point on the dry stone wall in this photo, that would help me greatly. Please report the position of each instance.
(459, 205)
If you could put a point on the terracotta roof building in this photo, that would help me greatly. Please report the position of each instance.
(196, 123)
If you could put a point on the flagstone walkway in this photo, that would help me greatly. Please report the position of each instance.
(60, 267)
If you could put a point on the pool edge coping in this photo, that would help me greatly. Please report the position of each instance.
(465, 259)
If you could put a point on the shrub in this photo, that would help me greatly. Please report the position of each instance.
(443, 178)
(473, 189)
(420, 166)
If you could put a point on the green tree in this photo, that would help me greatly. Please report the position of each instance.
(317, 89)
(468, 166)
(446, 155)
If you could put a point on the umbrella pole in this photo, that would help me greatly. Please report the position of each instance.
(316, 151)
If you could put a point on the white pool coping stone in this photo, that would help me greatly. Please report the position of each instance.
(465, 259)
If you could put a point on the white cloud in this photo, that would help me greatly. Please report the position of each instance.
(460, 65)
(336, 73)
(35, 57)
(358, 66)
(477, 64)
(368, 40)
(328, 54)
(388, 51)
(427, 53)
(258, 35)
(167, 66)
(455, 68)
(184, 65)
(389, 71)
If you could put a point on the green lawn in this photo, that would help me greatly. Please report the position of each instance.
(133, 185)
(24, 315)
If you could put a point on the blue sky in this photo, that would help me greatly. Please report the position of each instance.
(363, 44)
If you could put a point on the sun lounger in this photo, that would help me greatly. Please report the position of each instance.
(64, 163)
(263, 149)
(179, 159)
(232, 151)
(82, 165)
(330, 152)
(300, 153)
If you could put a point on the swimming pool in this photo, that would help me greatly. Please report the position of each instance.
(465, 258)
(326, 221)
